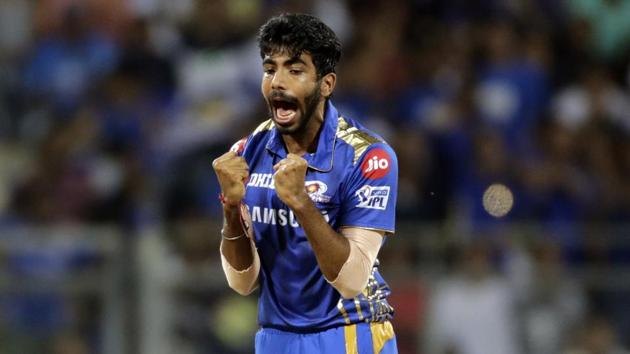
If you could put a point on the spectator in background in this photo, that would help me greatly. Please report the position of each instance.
(597, 336)
(593, 97)
(589, 120)
(367, 90)
(140, 57)
(491, 163)
(512, 88)
(58, 189)
(556, 185)
(552, 304)
(473, 310)
(415, 177)
(608, 24)
(65, 64)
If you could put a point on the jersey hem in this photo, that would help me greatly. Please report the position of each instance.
(308, 330)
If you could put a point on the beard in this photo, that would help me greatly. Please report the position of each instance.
(305, 111)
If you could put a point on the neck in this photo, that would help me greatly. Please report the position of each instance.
(305, 140)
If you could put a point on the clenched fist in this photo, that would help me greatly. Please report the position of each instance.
(232, 172)
(289, 180)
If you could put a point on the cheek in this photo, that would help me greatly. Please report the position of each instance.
(264, 86)
(306, 91)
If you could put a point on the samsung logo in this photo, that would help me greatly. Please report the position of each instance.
(282, 217)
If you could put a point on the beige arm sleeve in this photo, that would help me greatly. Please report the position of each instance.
(243, 281)
(354, 274)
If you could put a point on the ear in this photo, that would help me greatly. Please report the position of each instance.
(327, 84)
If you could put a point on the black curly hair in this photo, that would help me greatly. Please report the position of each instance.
(301, 33)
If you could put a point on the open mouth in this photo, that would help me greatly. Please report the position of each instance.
(285, 111)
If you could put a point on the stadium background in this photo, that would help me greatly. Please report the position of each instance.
(112, 110)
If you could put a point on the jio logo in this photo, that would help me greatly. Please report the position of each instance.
(376, 164)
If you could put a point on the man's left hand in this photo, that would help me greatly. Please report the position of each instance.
(289, 180)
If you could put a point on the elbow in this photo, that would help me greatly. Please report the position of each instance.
(350, 293)
(353, 275)
(244, 282)
(244, 291)
(350, 287)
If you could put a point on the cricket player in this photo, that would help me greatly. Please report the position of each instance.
(309, 198)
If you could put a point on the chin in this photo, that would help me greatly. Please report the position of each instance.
(290, 128)
(287, 129)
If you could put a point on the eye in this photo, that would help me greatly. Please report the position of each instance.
(295, 71)
(269, 71)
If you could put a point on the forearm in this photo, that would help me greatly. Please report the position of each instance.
(353, 276)
(237, 252)
(242, 281)
(239, 258)
(330, 247)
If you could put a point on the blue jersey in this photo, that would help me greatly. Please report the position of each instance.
(352, 179)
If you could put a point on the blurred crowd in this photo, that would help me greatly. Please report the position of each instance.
(113, 100)
(112, 110)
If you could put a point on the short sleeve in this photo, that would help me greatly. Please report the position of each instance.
(370, 190)
(239, 146)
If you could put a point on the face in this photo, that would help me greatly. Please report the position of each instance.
(292, 90)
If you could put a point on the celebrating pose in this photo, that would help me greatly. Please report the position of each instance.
(308, 199)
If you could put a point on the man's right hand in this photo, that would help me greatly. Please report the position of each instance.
(232, 172)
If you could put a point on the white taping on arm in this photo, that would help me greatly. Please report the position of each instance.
(242, 281)
(355, 272)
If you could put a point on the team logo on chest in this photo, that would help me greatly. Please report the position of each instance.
(316, 190)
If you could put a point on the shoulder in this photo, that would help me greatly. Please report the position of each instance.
(361, 142)
(263, 127)
(257, 135)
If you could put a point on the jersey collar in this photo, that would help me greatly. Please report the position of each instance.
(322, 159)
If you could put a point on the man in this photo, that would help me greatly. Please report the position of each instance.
(308, 198)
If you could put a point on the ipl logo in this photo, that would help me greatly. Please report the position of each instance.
(371, 197)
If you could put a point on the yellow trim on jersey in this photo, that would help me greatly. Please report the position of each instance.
(381, 333)
(343, 311)
(357, 304)
(350, 333)
(354, 137)
(266, 125)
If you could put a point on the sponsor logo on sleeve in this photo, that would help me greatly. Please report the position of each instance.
(371, 197)
(376, 164)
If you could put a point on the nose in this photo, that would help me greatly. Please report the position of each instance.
(277, 82)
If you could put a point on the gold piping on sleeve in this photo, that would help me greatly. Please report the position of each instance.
(354, 137)
(357, 304)
(343, 312)
(266, 125)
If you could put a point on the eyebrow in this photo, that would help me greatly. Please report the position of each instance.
(291, 61)
(295, 60)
